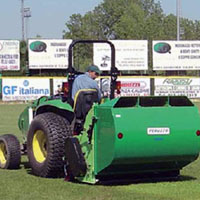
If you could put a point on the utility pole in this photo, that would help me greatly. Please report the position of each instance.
(22, 14)
(25, 14)
(178, 13)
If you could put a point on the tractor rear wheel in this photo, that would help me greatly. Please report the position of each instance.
(10, 153)
(45, 144)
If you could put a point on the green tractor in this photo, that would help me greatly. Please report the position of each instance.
(119, 138)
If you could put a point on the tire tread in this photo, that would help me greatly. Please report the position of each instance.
(57, 129)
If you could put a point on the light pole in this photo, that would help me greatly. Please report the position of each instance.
(27, 15)
(22, 14)
(178, 9)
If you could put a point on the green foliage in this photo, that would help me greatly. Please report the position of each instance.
(188, 28)
(131, 23)
(118, 19)
(197, 29)
(23, 56)
(169, 27)
(128, 19)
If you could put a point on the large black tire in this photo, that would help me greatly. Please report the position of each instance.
(10, 153)
(45, 144)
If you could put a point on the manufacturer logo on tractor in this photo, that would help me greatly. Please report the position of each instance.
(38, 46)
(158, 131)
(162, 47)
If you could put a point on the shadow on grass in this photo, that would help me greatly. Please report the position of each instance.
(26, 165)
(143, 179)
(119, 181)
(186, 178)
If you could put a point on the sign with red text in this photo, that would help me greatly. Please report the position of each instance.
(135, 86)
(129, 86)
(9, 55)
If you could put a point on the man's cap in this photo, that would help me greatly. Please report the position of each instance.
(94, 68)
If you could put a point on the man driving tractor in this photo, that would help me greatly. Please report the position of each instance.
(87, 81)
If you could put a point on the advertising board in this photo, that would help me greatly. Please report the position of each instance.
(129, 86)
(130, 55)
(9, 55)
(24, 89)
(135, 86)
(189, 87)
(57, 85)
(176, 55)
(48, 54)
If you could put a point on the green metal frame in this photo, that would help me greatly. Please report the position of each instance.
(44, 105)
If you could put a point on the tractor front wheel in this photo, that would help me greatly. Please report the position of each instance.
(10, 153)
(45, 144)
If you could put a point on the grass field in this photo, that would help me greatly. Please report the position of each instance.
(21, 185)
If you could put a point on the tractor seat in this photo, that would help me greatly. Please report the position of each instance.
(83, 102)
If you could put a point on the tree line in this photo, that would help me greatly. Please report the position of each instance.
(128, 19)
(121, 19)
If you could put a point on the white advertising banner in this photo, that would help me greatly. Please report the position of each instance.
(130, 86)
(135, 86)
(24, 89)
(176, 55)
(189, 87)
(57, 85)
(130, 55)
(48, 54)
(9, 55)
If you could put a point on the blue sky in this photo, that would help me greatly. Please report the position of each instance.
(49, 16)
(189, 8)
